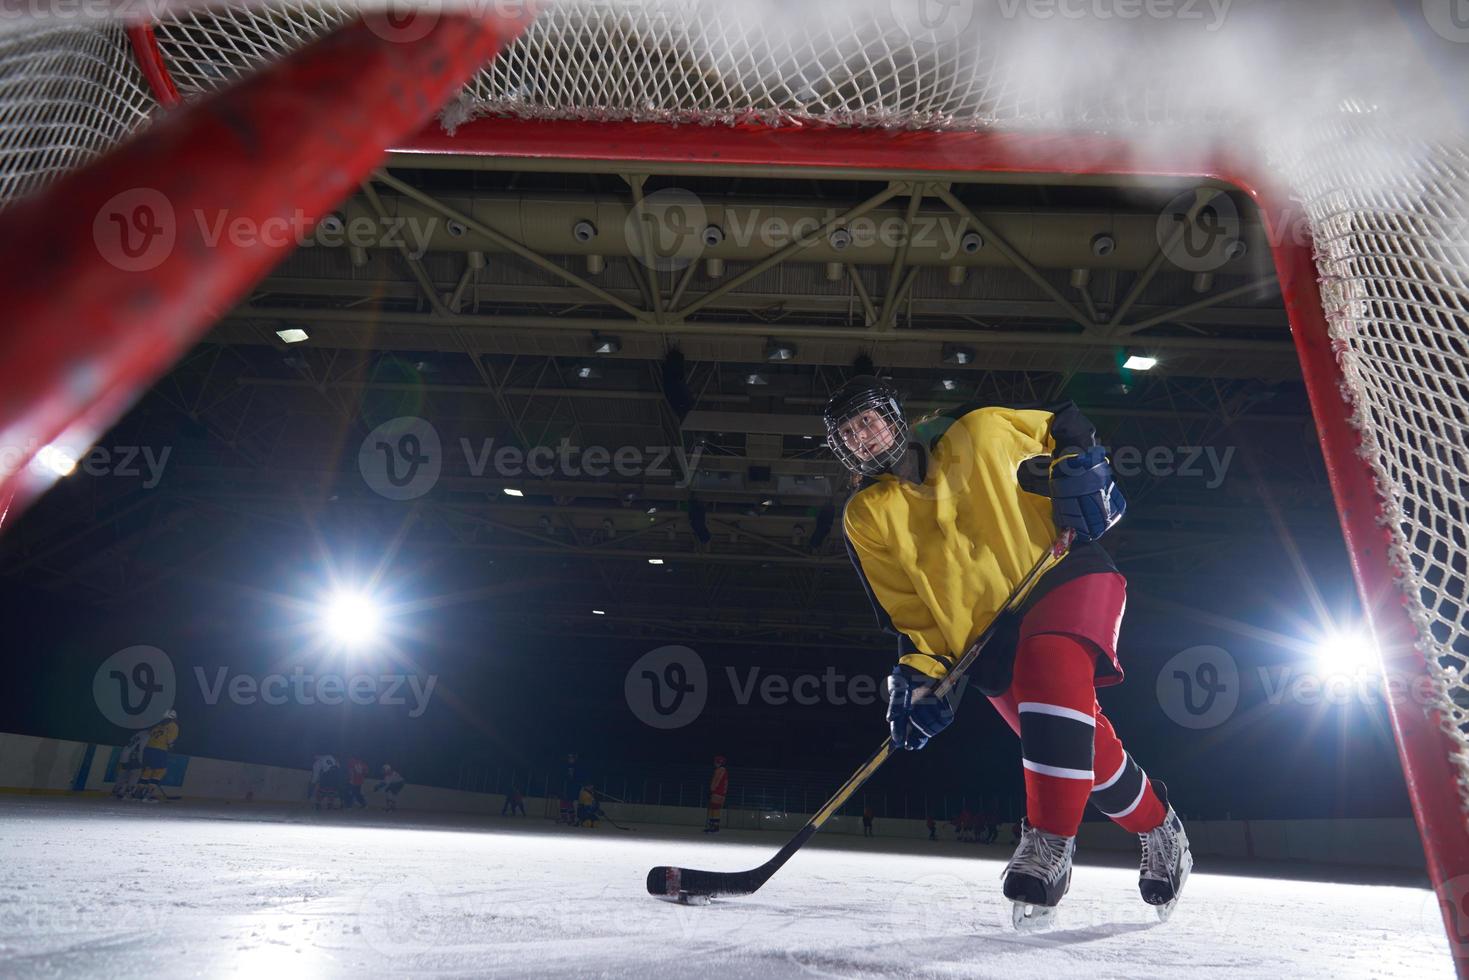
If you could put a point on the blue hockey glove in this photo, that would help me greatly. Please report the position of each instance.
(914, 714)
(1084, 496)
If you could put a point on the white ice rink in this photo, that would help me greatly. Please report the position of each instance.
(93, 888)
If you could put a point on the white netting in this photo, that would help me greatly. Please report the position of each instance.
(1340, 95)
(67, 92)
(842, 62)
(1389, 213)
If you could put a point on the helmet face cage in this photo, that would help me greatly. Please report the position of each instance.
(883, 402)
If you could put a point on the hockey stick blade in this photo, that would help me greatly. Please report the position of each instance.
(669, 882)
(666, 882)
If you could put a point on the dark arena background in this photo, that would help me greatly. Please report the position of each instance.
(415, 476)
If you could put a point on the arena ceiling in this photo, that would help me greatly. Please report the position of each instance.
(514, 307)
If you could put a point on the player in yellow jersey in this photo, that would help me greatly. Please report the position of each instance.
(155, 757)
(947, 522)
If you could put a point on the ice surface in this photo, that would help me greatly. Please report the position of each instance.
(95, 888)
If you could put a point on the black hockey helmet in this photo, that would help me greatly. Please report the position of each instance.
(845, 411)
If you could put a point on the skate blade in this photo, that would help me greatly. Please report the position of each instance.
(1032, 918)
(1166, 909)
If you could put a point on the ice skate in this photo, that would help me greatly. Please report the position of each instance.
(1166, 862)
(1037, 877)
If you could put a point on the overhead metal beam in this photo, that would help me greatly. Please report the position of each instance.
(1203, 196)
(1259, 286)
(803, 242)
(921, 304)
(1019, 261)
(766, 423)
(1006, 338)
(509, 244)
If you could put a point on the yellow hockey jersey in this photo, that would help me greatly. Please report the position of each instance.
(163, 735)
(939, 558)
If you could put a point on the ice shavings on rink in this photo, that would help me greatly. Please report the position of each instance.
(93, 888)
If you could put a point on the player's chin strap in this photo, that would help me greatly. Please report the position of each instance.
(668, 882)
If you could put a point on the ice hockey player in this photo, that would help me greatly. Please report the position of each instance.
(320, 766)
(356, 775)
(155, 758)
(331, 789)
(947, 523)
(988, 828)
(570, 788)
(130, 765)
(392, 785)
(588, 809)
(718, 790)
(964, 827)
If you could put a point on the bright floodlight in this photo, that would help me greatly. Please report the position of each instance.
(350, 618)
(56, 461)
(1346, 650)
(1137, 362)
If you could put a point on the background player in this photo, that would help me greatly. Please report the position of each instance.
(356, 775)
(942, 530)
(130, 765)
(320, 766)
(392, 785)
(718, 790)
(155, 758)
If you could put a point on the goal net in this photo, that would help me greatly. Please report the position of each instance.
(1353, 109)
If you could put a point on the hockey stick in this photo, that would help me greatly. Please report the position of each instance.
(686, 883)
(609, 796)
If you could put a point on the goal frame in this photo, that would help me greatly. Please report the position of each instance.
(129, 347)
(928, 155)
(1425, 749)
